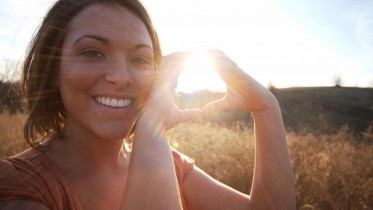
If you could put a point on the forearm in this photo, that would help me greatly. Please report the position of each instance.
(152, 182)
(273, 184)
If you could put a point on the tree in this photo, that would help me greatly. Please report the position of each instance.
(9, 69)
(337, 80)
(271, 87)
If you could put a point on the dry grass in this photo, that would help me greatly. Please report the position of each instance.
(224, 153)
(11, 136)
(331, 171)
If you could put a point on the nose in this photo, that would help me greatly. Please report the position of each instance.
(118, 73)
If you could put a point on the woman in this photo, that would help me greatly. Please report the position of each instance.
(93, 76)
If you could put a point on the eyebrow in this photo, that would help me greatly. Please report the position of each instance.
(105, 41)
(139, 46)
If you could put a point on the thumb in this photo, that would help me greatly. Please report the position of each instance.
(215, 106)
(189, 114)
(184, 116)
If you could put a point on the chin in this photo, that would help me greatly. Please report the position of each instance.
(113, 136)
(121, 132)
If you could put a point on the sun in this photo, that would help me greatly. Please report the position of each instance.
(199, 74)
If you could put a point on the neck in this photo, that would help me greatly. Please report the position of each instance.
(87, 153)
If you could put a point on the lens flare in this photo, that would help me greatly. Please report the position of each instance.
(199, 74)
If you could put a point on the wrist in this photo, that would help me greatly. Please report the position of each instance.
(151, 121)
(269, 103)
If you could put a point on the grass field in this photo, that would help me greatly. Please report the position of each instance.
(331, 171)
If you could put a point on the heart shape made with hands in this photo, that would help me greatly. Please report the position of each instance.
(164, 91)
(242, 91)
(199, 83)
(199, 75)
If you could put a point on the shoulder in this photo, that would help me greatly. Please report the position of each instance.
(15, 177)
(12, 168)
(31, 177)
(9, 174)
(22, 204)
(22, 167)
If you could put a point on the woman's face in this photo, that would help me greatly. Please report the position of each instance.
(106, 71)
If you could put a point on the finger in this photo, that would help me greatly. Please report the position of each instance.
(166, 82)
(184, 116)
(172, 62)
(170, 70)
(189, 114)
(226, 68)
(230, 73)
(215, 106)
(176, 55)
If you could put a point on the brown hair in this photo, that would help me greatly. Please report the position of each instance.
(46, 112)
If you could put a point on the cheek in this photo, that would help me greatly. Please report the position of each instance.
(77, 74)
(144, 81)
(74, 82)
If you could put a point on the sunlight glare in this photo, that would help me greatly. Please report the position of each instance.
(199, 74)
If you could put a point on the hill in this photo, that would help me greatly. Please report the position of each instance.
(321, 109)
(327, 108)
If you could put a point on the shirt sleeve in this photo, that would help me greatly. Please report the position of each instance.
(183, 164)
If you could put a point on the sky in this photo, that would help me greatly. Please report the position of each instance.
(288, 43)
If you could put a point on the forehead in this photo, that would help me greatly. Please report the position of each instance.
(110, 21)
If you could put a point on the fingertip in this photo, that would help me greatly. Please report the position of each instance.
(215, 106)
(189, 114)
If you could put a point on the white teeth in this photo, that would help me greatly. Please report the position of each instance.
(107, 102)
(112, 102)
(120, 103)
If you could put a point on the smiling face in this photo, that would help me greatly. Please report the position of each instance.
(106, 71)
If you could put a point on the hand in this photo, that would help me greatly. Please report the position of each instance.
(243, 92)
(160, 105)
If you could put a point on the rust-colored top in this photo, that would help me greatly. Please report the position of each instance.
(33, 177)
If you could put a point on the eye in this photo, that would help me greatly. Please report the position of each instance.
(93, 53)
(140, 60)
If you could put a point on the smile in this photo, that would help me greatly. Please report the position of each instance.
(113, 102)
